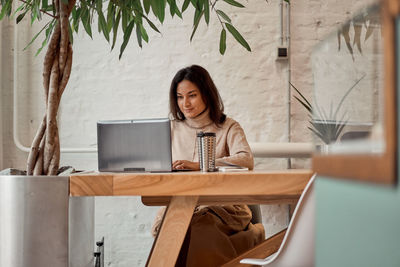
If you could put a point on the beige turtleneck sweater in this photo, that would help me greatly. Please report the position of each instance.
(231, 141)
(216, 234)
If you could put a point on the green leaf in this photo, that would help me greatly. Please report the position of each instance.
(70, 32)
(33, 16)
(206, 11)
(238, 36)
(127, 35)
(346, 94)
(125, 19)
(20, 17)
(152, 24)
(223, 15)
(161, 8)
(49, 30)
(139, 36)
(222, 42)
(138, 17)
(45, 4)
(18, 10)
(144, 33)
(75, 14)
(110, 15)
(234, 3)
(185, 5)
(86, 22)
(146, 4)
(177, 11)
(115, 28)
(38, 12)
(197, 17)
(173, 8)
(198, 4)
(138, 8)
(305, 102)
(158, 7)
(99, 4)
(36, 36)
(53, 9)
(103, 25)
(5, 9)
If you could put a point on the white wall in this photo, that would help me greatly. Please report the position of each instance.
(252, 85)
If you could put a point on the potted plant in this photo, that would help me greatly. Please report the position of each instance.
(66, 18)
(327, 126)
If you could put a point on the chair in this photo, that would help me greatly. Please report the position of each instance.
(298, 245)
(256, 214)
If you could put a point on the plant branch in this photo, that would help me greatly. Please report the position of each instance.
(213, 8)
(41, 10)
(213, 5)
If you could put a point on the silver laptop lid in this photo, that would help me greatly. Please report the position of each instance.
(134, 145)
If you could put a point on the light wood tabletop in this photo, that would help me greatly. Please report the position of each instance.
(258, 182)
(183, 191)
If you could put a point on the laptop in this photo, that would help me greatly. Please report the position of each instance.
(134, 145)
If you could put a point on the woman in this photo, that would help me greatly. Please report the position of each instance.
(216, 233)
(196, 105)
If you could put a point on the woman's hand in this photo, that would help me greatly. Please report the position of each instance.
(185, 165)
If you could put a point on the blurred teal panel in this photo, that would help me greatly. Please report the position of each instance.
(357, 224)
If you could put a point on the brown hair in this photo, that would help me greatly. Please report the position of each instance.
(209, 92)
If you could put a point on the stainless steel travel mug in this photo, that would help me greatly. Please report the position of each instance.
(199, 148)
(207, 148)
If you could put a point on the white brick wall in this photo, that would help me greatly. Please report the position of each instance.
(252, 85)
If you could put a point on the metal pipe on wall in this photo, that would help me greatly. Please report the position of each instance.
(281, 21)
(17, 142)
(15, 94)
(289, 77)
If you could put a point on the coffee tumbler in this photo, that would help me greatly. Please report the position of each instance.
(199, 148)
(206, 148)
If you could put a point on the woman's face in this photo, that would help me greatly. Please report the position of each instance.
(189, 98)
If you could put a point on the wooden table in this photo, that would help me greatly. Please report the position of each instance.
(183, 191)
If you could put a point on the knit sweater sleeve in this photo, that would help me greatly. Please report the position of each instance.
(238, 148)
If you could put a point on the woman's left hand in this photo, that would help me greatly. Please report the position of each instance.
(185, 165)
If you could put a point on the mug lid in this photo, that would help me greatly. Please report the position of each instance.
(209, 134)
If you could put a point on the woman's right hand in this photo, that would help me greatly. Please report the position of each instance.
(185, 165)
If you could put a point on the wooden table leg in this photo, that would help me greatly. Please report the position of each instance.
(172, 232)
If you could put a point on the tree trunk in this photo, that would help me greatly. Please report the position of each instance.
(44, 157)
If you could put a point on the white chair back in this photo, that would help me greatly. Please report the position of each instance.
(298, 245)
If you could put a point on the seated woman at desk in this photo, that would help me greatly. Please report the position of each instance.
(216, 233)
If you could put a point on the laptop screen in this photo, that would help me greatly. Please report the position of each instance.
(134, 145)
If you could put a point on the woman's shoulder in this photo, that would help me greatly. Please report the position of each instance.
(229, 122)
